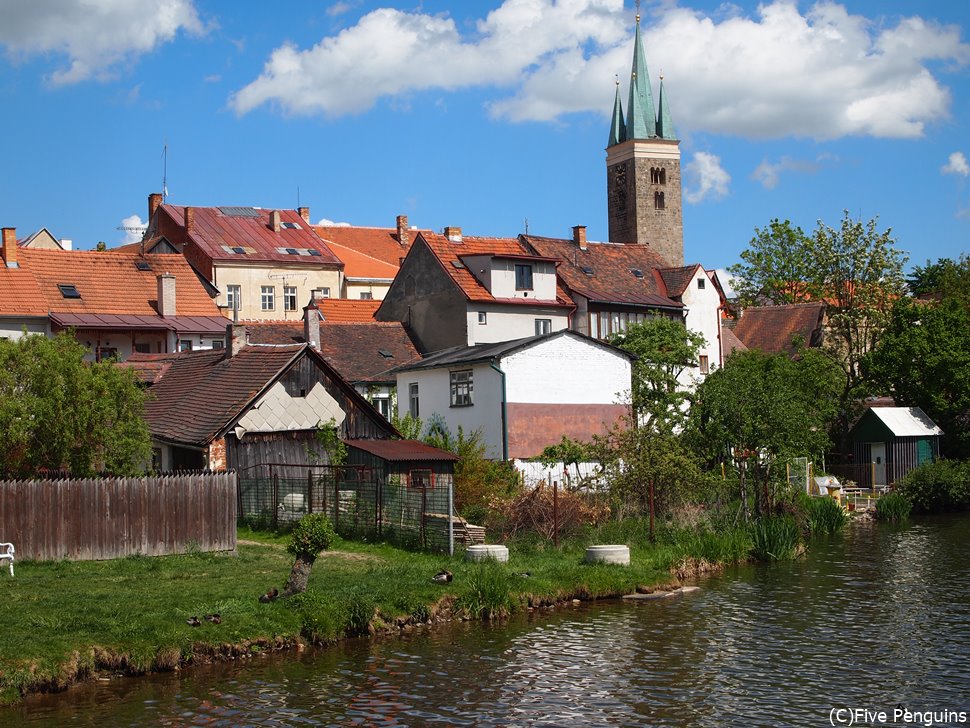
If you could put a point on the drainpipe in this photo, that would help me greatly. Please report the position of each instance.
(505, 424)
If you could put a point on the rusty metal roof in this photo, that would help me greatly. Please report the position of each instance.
(402, 450)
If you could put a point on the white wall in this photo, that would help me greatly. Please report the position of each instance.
(253, 278)
(703, 317)
(434, 395)
(505, 323)
(13, 328)
(567, 369)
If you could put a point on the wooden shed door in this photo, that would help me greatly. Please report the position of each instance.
(877, 456)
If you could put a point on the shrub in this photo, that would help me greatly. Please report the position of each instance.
(825, 515)
(893, 508)
(938, 487)
(776, 538)
(490, 591)
(312, 534)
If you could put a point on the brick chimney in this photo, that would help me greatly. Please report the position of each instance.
(453, 234)
(311, 324)
(166, 294)
(10, 247)
(579, 236)
(304, 213)
(154, 201)
(403, 234)
(236, 338)
(274, 221)
(189, 218)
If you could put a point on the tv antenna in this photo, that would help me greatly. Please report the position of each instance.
(165, 171)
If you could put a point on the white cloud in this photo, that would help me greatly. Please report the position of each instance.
(133, 228)
(822, 74)
(324, 222)
(706, 178)
(97, 36)
(769, 173)
(727, 281)
(957, 164)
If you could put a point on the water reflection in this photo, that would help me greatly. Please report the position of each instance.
(874, 619)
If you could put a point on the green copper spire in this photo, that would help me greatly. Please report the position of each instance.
(665, 127)
(641, 120)
(618, 127)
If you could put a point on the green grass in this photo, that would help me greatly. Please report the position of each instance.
(893, 508)
(129, 615)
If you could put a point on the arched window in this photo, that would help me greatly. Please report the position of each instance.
(658, 200)
(658, 176)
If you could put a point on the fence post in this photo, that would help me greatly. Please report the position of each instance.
(336, 497)
(309, 490)
(378, 498)
(555, 513)
(424, 510)
(276, 498)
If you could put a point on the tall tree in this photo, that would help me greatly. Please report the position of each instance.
(946, 278)
(776, 266)
(923, 360)
(59, 412)
(664, 348)
(759, 411)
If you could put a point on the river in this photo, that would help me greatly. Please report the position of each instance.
(875, 620)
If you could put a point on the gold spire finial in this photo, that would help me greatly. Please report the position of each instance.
(617, 77)
(638, 12)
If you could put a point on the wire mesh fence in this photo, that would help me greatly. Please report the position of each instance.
(404, 509)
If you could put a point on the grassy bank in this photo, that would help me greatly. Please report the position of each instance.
(74, 619)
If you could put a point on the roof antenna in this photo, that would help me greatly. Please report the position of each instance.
(165, 171)
(298, 197)
(525, 221)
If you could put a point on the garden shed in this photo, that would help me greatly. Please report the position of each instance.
(892, 441)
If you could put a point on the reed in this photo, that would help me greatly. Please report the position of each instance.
(775, 538)
(825, 515)
(893, 508)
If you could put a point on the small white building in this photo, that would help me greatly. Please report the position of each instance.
(524, 394)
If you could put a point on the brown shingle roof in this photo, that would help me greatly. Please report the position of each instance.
(448, 251)
(677, 279)
(217, 230)
(774, 328)
(730, 342)
(111, 282)
(604, 272)
(353, 349)
(201, 392)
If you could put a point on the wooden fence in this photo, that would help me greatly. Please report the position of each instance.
(109, 518)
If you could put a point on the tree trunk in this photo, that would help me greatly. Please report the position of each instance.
(299, 574)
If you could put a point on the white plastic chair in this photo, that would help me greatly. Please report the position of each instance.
(7, 552)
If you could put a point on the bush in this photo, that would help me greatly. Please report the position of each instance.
(825, 515)
(938, 487)
(893, 508)
(312, 534)
(776, 538)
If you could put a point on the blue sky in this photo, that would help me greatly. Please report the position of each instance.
(485, 114)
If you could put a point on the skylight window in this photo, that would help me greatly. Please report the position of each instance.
(291, 251)
(386, 354)
(314, 252)
(637, 273)
(290, 225)
(143, 265)
(239, 250)
(458, 264)
(239, 211)
(587, 270)
(68, 290)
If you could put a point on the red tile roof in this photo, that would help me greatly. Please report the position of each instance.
(773, 328)
(730, 343)
(678, 279)
(603, 272)
(19, 293)
(360, 265)
(111, 283)
(448, 251)
(347, 310)
(379, 243)
(217, 230)
(360, 352)
(402, 450)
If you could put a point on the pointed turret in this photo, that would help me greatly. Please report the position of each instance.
(665, 127)
(618, 127)
(641, 121)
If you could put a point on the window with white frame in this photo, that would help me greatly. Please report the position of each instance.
(413, 408)
(461, 388)
(543, 326)
(234, 297)
(267, 298)
(482, 317)
(289, 298)
(366, 296)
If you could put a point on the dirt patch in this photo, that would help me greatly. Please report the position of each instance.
(329, 554)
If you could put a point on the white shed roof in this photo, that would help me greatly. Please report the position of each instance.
(906, 421)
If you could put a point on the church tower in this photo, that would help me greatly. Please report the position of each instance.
(643, 168)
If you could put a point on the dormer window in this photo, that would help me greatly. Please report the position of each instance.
(523, 277)
(68, 290)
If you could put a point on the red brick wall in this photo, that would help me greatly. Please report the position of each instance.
(532, 427)
(217, 454)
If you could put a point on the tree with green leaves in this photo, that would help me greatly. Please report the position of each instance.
(776, 266)
(568, 452)
(664, 349)
(759, 411)
(60, 412)
(923, 360)
(946, 278)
